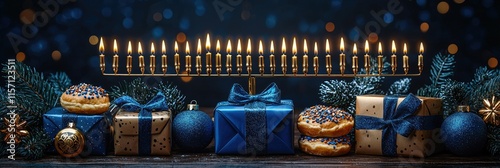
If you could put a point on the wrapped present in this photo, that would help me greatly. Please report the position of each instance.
(254, 124)
(94, 127)
(392, 125)
(142, 129)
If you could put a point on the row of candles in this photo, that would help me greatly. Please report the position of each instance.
(272, 59)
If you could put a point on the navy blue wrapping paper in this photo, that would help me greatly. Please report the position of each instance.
(94, 127)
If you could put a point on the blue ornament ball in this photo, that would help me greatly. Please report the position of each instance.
(192, 130)
(464, 134)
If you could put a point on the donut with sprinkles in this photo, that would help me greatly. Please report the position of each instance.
(325, 146)
(85, 99)
(324, 121)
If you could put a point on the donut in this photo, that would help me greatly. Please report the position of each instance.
(323, 121)
(325, 146)
(85, 99)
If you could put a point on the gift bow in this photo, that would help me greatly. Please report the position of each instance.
(270, 95)
(129, 104)
(400, 120)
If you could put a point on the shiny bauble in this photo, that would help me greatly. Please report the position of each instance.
(69, 142)
(192, 130)
(464, 133)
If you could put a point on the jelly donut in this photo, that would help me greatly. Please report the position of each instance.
(325, 146)
(85, 99)
(323, 121)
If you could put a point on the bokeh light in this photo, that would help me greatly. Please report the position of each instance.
(245, 15)
(167, 13)
(271, 21)
(157, 16)
(372, 37)
(128, 23)
(27, 16)
(330, 27)
(424, 27)
(186, 79)
(56, 55)
(93, 40)
(492, 62)
(20, 56)
(443, 7)
(181, 37)
(459, 1)
(388, 17)
(452, 48)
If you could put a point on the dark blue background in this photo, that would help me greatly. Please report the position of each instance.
(472, 25)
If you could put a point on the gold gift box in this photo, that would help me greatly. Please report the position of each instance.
(420, 143)
(126, 133)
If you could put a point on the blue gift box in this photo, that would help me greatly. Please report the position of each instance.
(238, 131)
(95, 128)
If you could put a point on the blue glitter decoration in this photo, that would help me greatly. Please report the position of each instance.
(464, 134)
(192, 130)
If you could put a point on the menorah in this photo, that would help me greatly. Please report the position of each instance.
(269, 70)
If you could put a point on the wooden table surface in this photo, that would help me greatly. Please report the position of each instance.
(207, 158)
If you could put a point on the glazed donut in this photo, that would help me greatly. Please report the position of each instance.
(323, 121)
(325, 146)
(85, 99)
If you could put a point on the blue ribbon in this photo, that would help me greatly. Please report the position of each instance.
(128, 104)
(255, 114)
(400, 120)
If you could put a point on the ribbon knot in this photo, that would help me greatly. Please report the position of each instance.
(270, 95)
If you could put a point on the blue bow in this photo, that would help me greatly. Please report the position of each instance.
(270, 95)
(398, 121)
(127, 103)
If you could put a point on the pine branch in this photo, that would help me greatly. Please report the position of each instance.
(173, 97)
(136, 89)
(400, 87)
(442, 68)
(453, 94)
(60, 81)
(493, 139)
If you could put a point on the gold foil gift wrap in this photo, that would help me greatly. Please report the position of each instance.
(419, 143)
(126, 133)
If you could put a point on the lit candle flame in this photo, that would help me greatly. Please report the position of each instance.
(176, 47)
(101, 46)
(327, 46)
(421, 48)
(367, 47)
(305, 46)
(187, 47)
(315, 48)
(261, 50)
(198, 48)
(294, 47)
(163, 47)
(249, 47)
(207, 43)
(393, 47)
(217, 46)
(152, 48)
(228, 46)
(271, 49)
(342, 44)
(129, 48)
(283, 46)
(404, 49)
(139, 48)
(238, 47)
(355, 49)
(115, 47)
(380, 48)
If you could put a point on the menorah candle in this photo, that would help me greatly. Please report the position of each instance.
(164, 64)
(261, 59)
(316, 60)
(405, 59)
(177, 59)
(421, 59)
(294, 58)
(198, 58)
(129, 58)
(367, 58)
(208, 56)
(239, 60)
(152, 59)
(305, 59)
(354, 59)
(249, 57)
(115, 57)
(393, 58)
(272, 59)
(229, 63)
(102, 61)
(283, 57)
(218, 59)
(342, 62)
(141, 58)
(188, 59)
(380, 59)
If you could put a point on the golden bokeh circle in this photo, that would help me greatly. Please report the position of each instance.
(181, 37)
(492, 62)
(452, 48)
(157, 16)
(372, 37)
(424, 27)
(443, 7)
(93, 40)
(27, 16)
(459, 1)
(20, 56)
(330, 27)
(56, 55)
(186, 79)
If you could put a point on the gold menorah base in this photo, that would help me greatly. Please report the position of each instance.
(263, 75)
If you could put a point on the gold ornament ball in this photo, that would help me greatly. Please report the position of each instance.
(69, 142)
